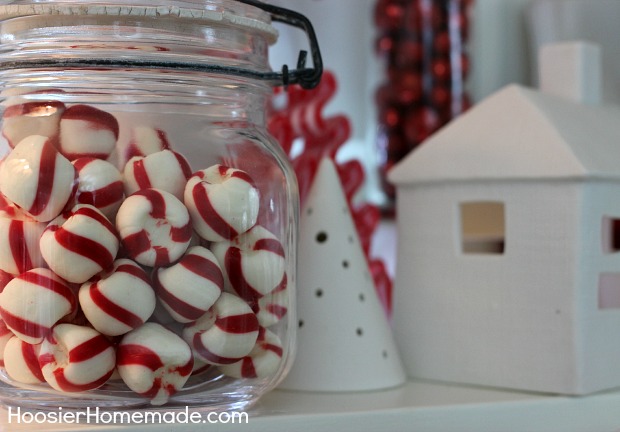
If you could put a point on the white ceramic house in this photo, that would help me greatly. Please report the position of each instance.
(508, 270)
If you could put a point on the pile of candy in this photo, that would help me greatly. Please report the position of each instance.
(424, 45)
(147, 274)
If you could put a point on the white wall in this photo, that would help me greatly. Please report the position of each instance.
(499, 46)
(594, 21)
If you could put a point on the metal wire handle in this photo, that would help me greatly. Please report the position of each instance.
(306, 77)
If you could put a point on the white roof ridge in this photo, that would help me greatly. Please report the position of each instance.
(519, 133)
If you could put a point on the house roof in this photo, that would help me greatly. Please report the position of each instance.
(519, 133)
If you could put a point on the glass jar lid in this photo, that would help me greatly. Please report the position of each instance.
(248, 16)
(227, 12)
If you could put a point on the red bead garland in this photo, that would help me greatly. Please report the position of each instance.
(423, 43)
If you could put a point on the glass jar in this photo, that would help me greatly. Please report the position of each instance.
(148, 219)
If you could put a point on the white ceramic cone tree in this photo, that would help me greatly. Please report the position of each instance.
(344, 339)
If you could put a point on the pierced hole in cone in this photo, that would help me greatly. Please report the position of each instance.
(345, 264)
(309, 211)
(385, 354)
(359, 331)
(301, 323)
(351, 239)
(362, 297)
(319, 292)
(321, 237)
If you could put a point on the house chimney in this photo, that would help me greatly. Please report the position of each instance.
(571, 70)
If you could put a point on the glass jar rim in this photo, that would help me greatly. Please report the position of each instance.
(249, 16)
(229, 12)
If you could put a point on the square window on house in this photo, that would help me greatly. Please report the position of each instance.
(609, 291)
(611, 235)
(483, 227)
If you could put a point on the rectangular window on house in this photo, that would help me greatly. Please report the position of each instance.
(611, 235)
(609, 291)
(483, 227)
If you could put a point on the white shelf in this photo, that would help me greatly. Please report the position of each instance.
(420, 406)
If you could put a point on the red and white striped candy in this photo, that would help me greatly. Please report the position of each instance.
(5, 335)
(20, 240)
(79, 244)
(86, 131)
(100, 184)
(33, 302)
(226, 333)
(165, 170)
(223, 202)
(154, 362)
(262, 362)
(37, 178)
(118, 301)
(270, 309)
(75, 358)
(253, 263)
(31, 118)
(146, 140)
(5, 278)
(21, 361)
(190, 287)
(10, 210)
(154, 227)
